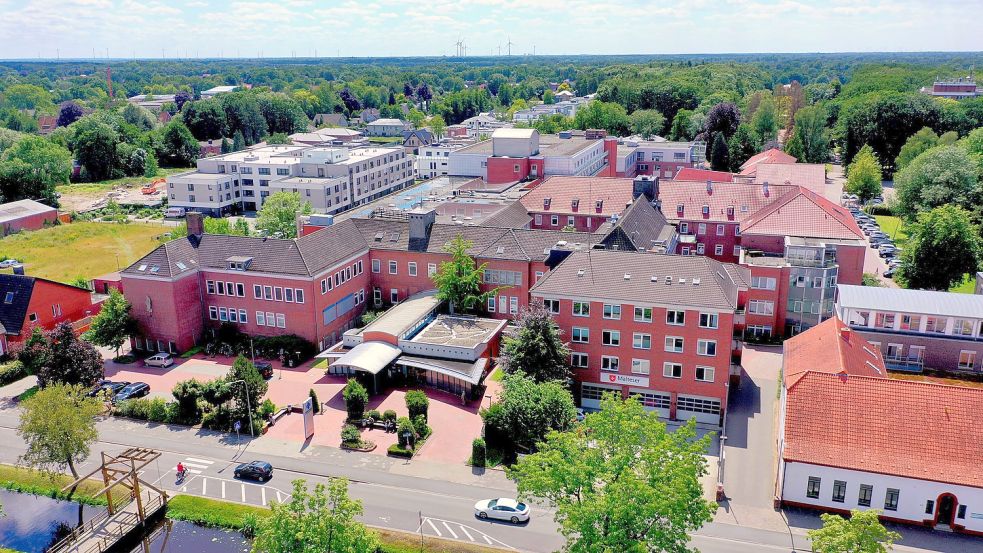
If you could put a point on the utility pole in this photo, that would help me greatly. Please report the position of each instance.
(249, 409)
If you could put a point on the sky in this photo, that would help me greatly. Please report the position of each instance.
(369, 28)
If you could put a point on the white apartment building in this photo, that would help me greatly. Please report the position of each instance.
(332, 179)
(433, 160)
(567, 108)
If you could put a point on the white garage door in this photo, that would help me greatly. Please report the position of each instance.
(703, 409)
(590, 394)
(653, 401)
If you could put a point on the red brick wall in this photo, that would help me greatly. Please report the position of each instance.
(176, 309)
(74, 304)
(583, 222)
(710, 239)
(503, 169)
(29, 222)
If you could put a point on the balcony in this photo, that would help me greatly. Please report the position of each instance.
(903, 364)
(740, 317)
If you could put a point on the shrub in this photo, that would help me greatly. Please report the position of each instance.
(133, 408)
(266, 409)
(374, 415)
(417, 404)
(356, 398)
(404, 427)
(421, 427)
(157, 410)
(400, 451)
(317, 404)
(350, 435)
(188, 393)
(11, 372)
(479, 452)
(389, 415)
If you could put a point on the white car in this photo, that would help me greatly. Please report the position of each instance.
(159, 360)
(8, 263)
(502, 508)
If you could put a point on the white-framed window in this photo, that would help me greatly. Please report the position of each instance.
(718, 249)
(431, 269)
(281, 321)
(763, 283)
(709, 320)
(611, 337)
(257, 291)
(737, 251)
(701, 249)
(393, 295)
(210, 286)
(243, 318)
(707, 348)
(513, 304)
(278, 293)
(720, 230)
(612, 311)
(220, 288)
(581, 309)
(641, 340)
(683, 228)
(672, 370)
(555, 220)
(299, 295)
(570, 220)
(761, 307)
(260, 318)
(967, 360)
(288, 295)
(213, 312)
(702, 229)
(643, 314)
(491, 304)
(538, 219)
(270, 319)
(609, 363)
(580, 335)
(579, 360)
(411, 268)
(377, 295)
(640, 366)
(674, 344)
(686, 250)
(268, 292)
(553, 306)
(393, 268)
(376, 266)
(704, 374)
(240, 290)
(675, 317)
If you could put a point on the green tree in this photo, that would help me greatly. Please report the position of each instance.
(795, 148)
(863, 175)
(647, 122)
(278, 216)
(943, 245)
(238, 141)
(458, 281)
(69, 359)
(437, 126)
(178, 147)
(139, 116)
(58, 424)
(719, 153)
(315, 521)
(31, 168)
(764, 122)
(884, 121)
(603, 115)
(278, 138)
(621, 482)
(549, 97)
(247, 387)
(282, 114)
(33, 353)
(535, 348)
(741, 147)
(205, 119)
(939, 176)
(356, 398)
(810, 130)
(416, 118)
(680, 129)
(113, 326)
(244, 115)
(417, 404)
(94, 146)
(526, 411)
(861, 533)
(241, 228)
(27, 96)
(918, 143)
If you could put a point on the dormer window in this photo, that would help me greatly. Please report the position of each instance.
(574, 204)
(547, 202)
(679, 209)
(239, 263)
(706, 210)
(598, 205)
(730, 211)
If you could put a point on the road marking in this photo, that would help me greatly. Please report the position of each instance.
(449, 530)
(466, 533)
(223, 489)
(243, 492)
(204, 486)
(195, 460)
(197, 466)
(432, 525)
(279, 499)
(263, 493)
(193, 471)
(487, 539)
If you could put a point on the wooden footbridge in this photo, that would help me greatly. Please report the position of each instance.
(130, 503)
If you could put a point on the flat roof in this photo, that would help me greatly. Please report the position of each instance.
(925, 302)
(402, 316)
(22, 208)
(469, 372)
(467, 332)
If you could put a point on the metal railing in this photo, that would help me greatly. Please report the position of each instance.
(115, 526)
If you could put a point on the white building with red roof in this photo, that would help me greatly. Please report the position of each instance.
(773, 155)
(851, 438)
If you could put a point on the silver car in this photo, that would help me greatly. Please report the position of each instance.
(163, 360)
(502, 508)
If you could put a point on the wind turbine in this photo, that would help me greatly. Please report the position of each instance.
(510, 45)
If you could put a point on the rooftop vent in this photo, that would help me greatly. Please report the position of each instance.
(668, 279)
(580, 272)
(654, 278)
(627, 276)
(561, 243)
(696, 282)
(501, 249)
(380, 235)
(682, 281)
(394, 237)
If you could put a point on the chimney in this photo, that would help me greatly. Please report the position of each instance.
(709, 186)
(764, 188)
(645, 185)
(845, 333)
(421, 222)
(19, 269)
(195, 222)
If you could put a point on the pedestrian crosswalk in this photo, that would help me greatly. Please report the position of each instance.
(196, 466)
(457, 531)
(205, 479)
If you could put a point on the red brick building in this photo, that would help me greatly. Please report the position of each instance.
(581, 203)
(29, 302)
(25, 215)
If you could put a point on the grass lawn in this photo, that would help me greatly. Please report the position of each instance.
(104, 185)
(85, 249)
(894, 228)
(498, 375)
(385, 139)
(235, 516)
(25, 480)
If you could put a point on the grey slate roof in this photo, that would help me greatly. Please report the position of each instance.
(515, 215)
(925, 302)
(604, 271)
(12, 314)
(640, 228)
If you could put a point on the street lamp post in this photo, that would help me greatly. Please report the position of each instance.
(249, 410)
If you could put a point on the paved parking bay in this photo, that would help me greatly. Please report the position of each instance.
(449, 529)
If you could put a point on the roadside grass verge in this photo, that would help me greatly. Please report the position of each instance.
(84, 249)
(245, 519)
(27, 394)
(24, 480)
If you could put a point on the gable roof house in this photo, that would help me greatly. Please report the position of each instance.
(27, 302)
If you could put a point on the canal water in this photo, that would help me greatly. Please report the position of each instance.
(33, 523)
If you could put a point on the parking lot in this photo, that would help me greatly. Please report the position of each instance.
(884, 256)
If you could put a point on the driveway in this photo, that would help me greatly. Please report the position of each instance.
(750, 458)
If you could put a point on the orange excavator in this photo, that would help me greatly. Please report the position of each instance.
(151, 188)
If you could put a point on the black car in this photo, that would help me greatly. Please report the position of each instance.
(265, 368)
(132, 391)
(256, 470)
(109, 387)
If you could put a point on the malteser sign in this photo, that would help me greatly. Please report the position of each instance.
(629, 380)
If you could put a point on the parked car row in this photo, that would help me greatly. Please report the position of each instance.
(120, 391)
(879, 239)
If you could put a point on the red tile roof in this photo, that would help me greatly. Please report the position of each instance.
(809, 175)
(615, 193)
(694, 174)
(746, 199)
(831, 347)
(773, 155)
(898, 427)
(805, 214)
